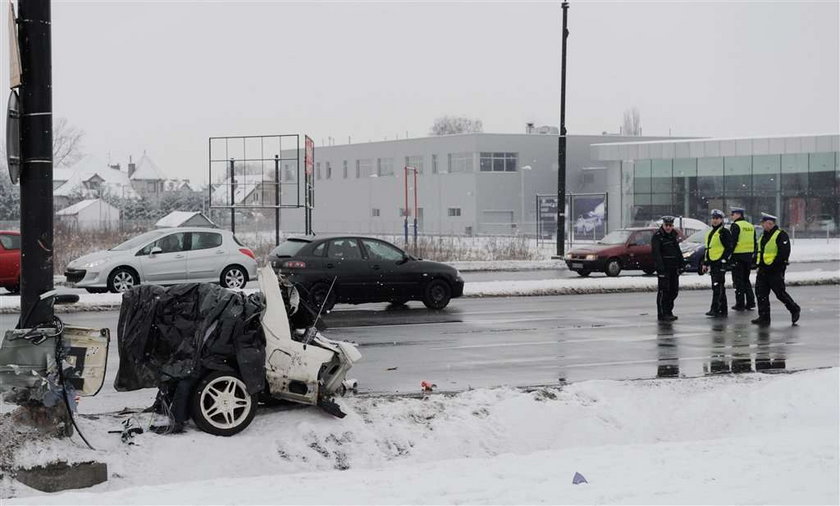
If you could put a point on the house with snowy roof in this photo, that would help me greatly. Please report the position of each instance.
(90, 178)
(90, 214)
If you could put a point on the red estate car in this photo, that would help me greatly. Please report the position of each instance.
(623, 249)
(10, 260)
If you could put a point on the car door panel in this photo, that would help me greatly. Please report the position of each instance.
(206, 257)
(396, 277)
(344, 262)
(170, 265)
(639, 250)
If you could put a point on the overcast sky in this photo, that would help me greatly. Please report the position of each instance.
(162, 77)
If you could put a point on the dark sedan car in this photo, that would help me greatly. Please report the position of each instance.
(623, 249)
(365, 270)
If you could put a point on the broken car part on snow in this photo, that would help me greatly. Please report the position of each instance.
(214, 353)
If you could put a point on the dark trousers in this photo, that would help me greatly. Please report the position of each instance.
(669, 288)
(765, 282)
(718, 274)
(741, 263)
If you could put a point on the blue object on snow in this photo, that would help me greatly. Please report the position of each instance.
(578, 479)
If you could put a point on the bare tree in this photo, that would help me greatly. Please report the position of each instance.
(632, 124)
(67, 143)
(448, 125)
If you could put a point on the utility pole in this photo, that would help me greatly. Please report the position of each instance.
(561, 151)
(36, 178)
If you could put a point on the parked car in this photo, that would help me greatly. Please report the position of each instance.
(10, 260)
(821, 223)
(623, 249)
(166, 257)
(694, 248)
(363, 269)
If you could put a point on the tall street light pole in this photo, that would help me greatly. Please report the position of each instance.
(561, 151)
(36, 177)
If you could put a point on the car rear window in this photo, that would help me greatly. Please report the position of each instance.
(289, 248)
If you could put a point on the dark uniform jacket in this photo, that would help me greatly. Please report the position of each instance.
(726, 241)
(666, 250)
(783, 243)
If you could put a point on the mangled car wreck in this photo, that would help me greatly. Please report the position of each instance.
(215, 353)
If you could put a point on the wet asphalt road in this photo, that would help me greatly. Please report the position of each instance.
(541, 340)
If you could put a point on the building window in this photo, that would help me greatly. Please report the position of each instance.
(498, 162)
(737, 176)
(384, 167)
(416, 162)
(454, 211)
(329, 171)
(374, 212)
(364, 167)
(318, 170)
(344, 168)
(460, 162)
(588, 178)
(434, 164)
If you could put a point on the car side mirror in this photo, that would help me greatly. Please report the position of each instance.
(403, 260)
(155, 251)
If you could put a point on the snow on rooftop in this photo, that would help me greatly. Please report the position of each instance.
(147, 169)
(75, 208)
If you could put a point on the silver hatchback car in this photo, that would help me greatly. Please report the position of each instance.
(166, 256)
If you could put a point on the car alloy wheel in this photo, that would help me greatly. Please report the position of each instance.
(613, 268)
(222, 405)
(122, 280)
(233, 277)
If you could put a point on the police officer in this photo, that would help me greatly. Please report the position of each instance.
(743, 257)
(718, 250)
(667, 259)
(773, 254)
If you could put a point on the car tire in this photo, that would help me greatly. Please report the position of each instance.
(649, 272)
(221, 404)
(613, 268)
(122, 280)
(583, 273)
(234, 276)
(14, 288)
(96, 290)
(437, 294)
(320, 294)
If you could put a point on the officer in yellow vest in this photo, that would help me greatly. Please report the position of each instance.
(718, 250)
(772, 260)
(743, 257)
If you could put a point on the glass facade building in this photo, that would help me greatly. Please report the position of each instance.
(794, 178)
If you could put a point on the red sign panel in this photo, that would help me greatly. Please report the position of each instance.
(309, 155)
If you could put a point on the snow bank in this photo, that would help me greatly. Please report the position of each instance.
(566, 286)
(736, 439)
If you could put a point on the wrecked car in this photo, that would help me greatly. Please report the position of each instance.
(215, 353)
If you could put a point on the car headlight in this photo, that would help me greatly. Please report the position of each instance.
(592, 257)
(568, 256)
(95, 263)
(688, 254)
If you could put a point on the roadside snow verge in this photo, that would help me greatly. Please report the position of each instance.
(749, 438)
(569, 286)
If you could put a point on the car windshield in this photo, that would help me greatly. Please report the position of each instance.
(616, 237)
(140, 240)
(699, 236)
(289, 248)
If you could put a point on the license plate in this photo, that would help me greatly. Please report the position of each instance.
(577, 265)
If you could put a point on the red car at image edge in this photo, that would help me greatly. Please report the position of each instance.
(10, 260)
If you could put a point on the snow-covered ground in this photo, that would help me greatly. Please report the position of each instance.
(563, 286)
(747, 439)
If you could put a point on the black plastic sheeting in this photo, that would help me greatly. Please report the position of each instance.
(181, 332)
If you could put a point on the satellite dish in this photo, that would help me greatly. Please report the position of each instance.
(13, 137)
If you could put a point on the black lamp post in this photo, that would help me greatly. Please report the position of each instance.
(561, 151)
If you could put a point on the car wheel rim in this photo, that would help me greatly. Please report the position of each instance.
(234, 278)
(123, 281)
(438, 293)
(225, 402)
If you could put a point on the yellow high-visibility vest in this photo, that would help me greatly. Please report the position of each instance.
(746, 238)
(714, 248)
(768, 255)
